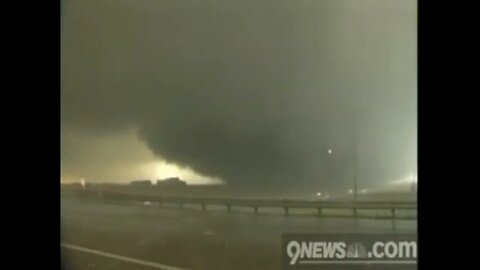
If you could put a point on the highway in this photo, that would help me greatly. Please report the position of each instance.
(188, 238)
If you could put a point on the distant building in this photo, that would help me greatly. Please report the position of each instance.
(171, 182)
(141, 183)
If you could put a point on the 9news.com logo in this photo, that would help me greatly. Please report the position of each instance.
(349, 251)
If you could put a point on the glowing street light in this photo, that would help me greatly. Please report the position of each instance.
(329, 168)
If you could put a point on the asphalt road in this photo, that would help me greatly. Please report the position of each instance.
(190, 238)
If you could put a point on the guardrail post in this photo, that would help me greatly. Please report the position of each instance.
(255, 208)
(286, 210)
(319, 211)
(393, 213)
(354, 211)
(203, 206)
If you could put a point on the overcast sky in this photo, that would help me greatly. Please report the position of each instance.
(246, 91)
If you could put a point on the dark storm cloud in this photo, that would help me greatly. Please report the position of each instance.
(249, 91)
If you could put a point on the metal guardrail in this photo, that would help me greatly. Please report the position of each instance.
(285, 204)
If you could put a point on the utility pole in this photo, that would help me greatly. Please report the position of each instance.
(354, 158)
